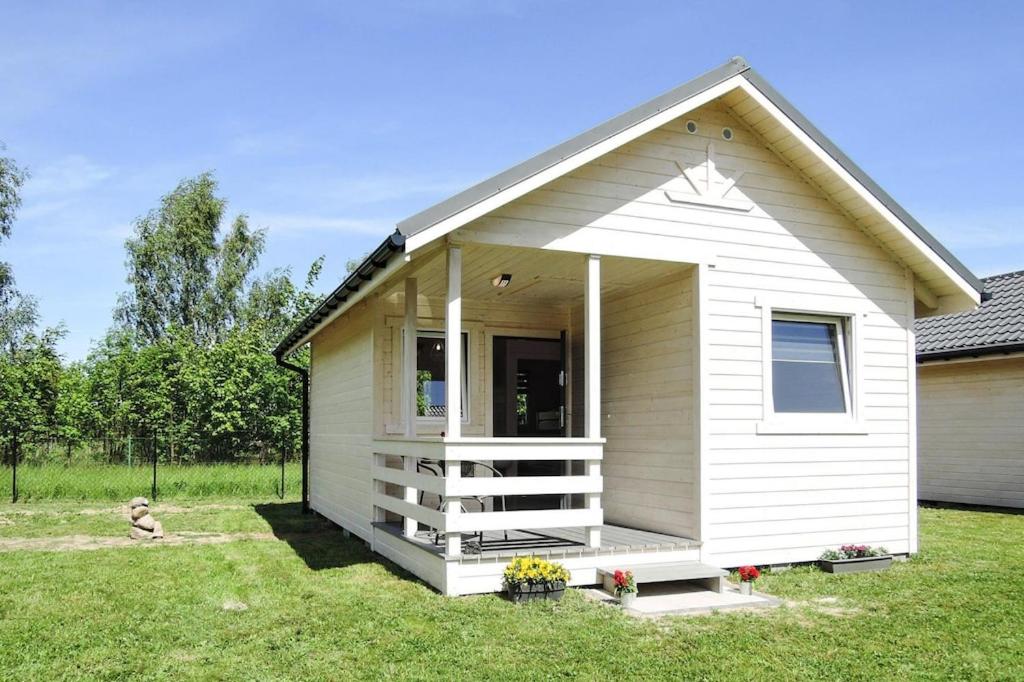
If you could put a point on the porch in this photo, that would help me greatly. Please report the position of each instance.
(422, 480)
(479, 455)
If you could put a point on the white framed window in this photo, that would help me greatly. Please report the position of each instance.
(810, 365)
(430, 376)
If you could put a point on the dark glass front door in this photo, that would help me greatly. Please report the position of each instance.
(528, 387)
(529, 382)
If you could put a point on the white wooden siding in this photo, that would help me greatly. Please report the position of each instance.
(647, 408)
(971, 432)
(341, 421)
(793, 243)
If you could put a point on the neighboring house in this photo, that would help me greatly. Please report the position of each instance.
(970, 377)
(684, 336)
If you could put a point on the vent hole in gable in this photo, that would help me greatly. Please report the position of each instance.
(691, 127)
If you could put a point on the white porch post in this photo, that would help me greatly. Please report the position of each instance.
(452, 509)
(592, 382)
(453, 387)
(409, 358)
(453, 345)
(410, 526)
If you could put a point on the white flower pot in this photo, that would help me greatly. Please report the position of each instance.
(747, 587)
(626, 599)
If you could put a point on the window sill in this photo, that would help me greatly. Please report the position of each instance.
(810, 427)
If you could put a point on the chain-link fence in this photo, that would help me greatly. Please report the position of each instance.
(122, 468)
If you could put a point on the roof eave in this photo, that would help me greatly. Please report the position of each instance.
(483, 191)
(333, 303)
(971, 352)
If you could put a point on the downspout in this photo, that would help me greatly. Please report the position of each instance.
(304, 373)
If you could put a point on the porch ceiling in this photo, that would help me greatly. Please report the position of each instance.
(538, 277)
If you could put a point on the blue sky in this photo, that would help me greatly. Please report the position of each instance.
(327, 122)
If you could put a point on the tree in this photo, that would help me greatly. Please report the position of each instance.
(28, 391)
(180, 275)
(187, 366)
(18, 313)
(12, 177)
(276, 305)
(75, 417)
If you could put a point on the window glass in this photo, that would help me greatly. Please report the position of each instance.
(807, 375)
(430, 374)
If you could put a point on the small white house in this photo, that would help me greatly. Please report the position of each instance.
(684, 338)
(970, 376)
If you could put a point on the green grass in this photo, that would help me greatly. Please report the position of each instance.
(179, 482)
(62, 519)
(318, 606)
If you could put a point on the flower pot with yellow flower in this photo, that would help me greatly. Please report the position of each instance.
(532, 578)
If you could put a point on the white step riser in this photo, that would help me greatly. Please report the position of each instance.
(712, 577)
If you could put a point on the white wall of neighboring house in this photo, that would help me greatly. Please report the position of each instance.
(971, 431)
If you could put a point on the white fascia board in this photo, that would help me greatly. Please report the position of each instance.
(833, 165)
(453, 222)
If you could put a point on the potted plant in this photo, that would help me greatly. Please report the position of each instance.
(531, 578)
(855, 559)
(625, 588)
(748, 574)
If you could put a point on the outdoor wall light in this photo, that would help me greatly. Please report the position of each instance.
(502, 280)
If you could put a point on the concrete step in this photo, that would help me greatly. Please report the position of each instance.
(711, 576)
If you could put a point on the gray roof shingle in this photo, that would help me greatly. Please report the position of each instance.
(995, 326)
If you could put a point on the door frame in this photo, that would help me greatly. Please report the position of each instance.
(513, 332)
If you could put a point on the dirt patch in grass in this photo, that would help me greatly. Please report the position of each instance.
(86, 542)
(157, 507)
(161, 508)
(827, 606)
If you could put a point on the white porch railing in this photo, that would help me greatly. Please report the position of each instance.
(451, 518)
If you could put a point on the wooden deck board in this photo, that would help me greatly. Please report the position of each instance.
(549, 542)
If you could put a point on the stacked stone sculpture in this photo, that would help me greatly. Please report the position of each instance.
(144, 526)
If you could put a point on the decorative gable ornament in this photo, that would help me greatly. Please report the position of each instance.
(711, 189)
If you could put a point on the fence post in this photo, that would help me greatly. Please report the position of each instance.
(14, 469)
(129, 451)
(153, 491)
(282, 472)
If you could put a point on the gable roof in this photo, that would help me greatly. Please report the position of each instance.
(997, 326)
(425, 226)
(735, 67)
(546, 159)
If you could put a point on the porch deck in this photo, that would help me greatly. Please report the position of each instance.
(552, 543)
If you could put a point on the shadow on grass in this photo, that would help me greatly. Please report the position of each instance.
(959, 506)
(318, 542)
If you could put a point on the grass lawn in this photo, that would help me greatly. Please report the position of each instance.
(293, 599)
(117, 482)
